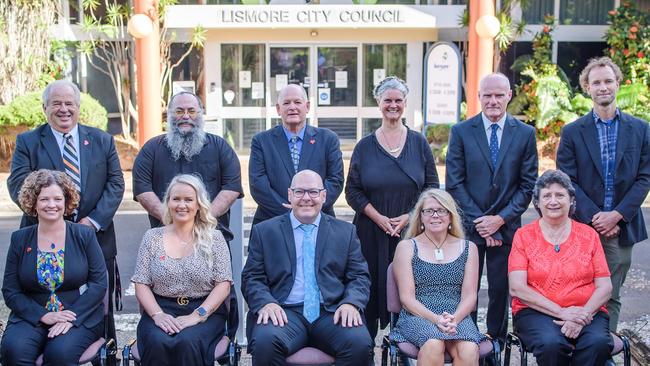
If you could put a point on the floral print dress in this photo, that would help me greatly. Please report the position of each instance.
(49, 270)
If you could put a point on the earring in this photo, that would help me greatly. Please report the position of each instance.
(421, 226)
(449, 227)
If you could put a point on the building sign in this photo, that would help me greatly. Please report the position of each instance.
(313, 16)
(442, 84)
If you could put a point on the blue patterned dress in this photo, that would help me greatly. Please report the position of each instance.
(49, 271)
(438, 287)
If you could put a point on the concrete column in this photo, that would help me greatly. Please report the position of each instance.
(480, 55)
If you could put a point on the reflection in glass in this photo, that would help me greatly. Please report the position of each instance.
(345, 128)
(242, 57)
(389, 57)
(341, 63)
(239, 132)
(536, 10)
(585, 11)
(289, 65)
(369, 125)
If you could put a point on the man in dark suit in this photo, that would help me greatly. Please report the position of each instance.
(606, 153)
(279, 153)
(491, 172)
(87, 155)
(306, 282)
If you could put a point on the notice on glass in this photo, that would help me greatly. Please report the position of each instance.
(245, 79)
(324, 96)
(258, 90)
(281, 80)
(341, 79)
(378, 75)
(307, 81)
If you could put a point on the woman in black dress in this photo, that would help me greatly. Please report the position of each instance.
(388, 171)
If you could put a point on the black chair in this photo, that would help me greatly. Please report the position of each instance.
(487, 348)
(621, 344)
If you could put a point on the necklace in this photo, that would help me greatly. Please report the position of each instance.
(555, 239)
(183, 243)
(52, 244)
(438, 253)
(390, 149)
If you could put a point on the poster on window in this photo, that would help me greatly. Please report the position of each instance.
(281, 80)
(442, 83)
(245, 79)
(324, 96)
(378, 75)
(258, 90)
(341, 79)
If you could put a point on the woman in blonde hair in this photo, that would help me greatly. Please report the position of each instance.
(436, 270)
(182, 277)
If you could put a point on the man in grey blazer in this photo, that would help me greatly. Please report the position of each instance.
(280, 152)
(491, 172)
(606, 153)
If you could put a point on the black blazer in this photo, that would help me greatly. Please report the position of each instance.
(481, 190)
(270, 168)
(341, 270)
(579, 157)
(102, 183)
(84, 265)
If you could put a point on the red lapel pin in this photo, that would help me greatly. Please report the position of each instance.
(312, 141)
(29, 249)
(162, 257)
(86, 142)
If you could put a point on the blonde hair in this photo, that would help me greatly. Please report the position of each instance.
(416, 228)
(599, 62)
(204, 223)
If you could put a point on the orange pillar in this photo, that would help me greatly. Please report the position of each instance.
(147, 61)
(480, 54)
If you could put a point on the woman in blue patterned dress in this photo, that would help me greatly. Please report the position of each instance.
(436, 271)
(54, 280)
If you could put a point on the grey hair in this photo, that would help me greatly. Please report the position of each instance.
(45, 97)
(496, 75)
(390, 83)
(170, 106)
(283, 91)
(550, 177)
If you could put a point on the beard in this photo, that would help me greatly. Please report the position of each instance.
(185, 143)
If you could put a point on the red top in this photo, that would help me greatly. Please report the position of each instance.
(565, 277)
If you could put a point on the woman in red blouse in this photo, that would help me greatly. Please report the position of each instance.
(559, 281)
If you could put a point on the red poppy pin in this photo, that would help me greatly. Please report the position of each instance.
(29, 249)
(162, 257)
(312, 141)
(86, 142)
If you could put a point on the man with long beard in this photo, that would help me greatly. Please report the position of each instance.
(187, 149)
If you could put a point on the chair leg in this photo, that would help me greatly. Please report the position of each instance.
(384, 351)
(627, 356)
(393, 355)
(506, 354)
(126, 354)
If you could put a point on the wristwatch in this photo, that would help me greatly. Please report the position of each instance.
(201, 311)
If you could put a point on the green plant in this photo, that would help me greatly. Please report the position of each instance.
(628, 38)
(27, 110)
(438, 135)
(634, 99)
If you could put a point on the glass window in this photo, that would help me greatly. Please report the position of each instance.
(369, 125)
(345, 128)
(516, 50)
(289, 65)
(536, 10)
(385, 2)
(337, 71)
(572, 57)
(239, 132)
(585, 11)
(245, 63)
(391, 58)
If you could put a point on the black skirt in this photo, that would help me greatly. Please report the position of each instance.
(192, 346)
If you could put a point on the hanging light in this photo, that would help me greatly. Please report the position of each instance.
(487, 26)
(140, 26)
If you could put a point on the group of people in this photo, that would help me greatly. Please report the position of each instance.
(311, 279)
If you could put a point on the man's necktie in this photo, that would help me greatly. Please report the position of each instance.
(311, 305)
(494, 145)
(295, 155)
(71, 162)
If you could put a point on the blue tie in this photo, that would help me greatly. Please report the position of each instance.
(295, 155)
(311, 305)
(494, 145)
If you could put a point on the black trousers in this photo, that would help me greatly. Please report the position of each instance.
(23, 342)
(271, 345)
(550, 347)
(496, 260)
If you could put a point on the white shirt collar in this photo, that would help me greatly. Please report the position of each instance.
(487, 123)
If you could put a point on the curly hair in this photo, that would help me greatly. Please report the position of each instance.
(43, 178)
(599, 62)
(204, 223)
(416, 228)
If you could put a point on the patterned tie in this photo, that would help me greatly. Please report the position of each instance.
(494, 145)
(295, 155)
(311, 305)
(71, 162)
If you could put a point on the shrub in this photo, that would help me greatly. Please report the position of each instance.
(27, 110)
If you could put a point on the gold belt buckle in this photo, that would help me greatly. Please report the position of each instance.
(182, 300)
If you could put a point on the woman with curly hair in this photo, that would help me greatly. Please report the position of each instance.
(54, 280)
(182, 278)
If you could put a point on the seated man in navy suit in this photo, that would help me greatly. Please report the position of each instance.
(282, 151)
(306, 282)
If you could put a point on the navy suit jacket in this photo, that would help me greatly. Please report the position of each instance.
(102, 182)
(84, 265)
(270, 168)
(579, 157)
(478, 188)
(269, 273)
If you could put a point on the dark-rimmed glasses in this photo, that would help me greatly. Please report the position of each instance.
(313, 193)
(441, 212)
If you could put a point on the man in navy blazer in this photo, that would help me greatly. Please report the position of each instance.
(298, 298)
(102, 182)
(606, 153)
(491, 172)
(275, 158)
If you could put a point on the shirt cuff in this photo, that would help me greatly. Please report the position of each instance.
(95, 224)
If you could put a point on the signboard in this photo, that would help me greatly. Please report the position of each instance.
(442, 84)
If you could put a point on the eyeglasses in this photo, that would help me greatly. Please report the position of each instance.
(313, 193)
(180, 112)
(441, 212)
